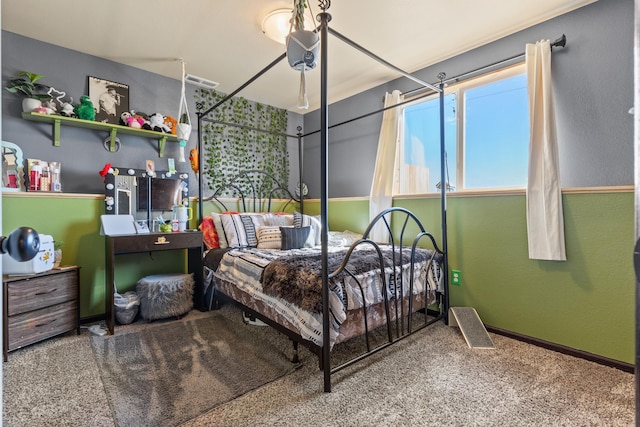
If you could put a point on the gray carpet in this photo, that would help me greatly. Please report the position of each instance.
(173, 372)
(433, 378)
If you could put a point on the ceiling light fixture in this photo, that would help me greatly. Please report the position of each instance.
(276, 24)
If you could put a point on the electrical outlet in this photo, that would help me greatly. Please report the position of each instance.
(456, 277)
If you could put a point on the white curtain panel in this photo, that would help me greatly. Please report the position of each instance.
(381, 196)
(545, 219)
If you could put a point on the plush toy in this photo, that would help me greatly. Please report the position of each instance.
(133, 122)
(156, 121)
(85, 109)
(42, 110)
(141, 116)
(171, 123)
(67, 110)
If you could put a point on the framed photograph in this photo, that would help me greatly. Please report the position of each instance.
(110, 99)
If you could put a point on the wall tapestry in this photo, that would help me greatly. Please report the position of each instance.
(228, 150)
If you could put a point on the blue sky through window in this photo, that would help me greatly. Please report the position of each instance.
(496, 136)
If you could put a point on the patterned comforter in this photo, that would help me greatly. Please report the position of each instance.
(291, 281)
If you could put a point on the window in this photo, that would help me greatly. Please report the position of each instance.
(486, 136)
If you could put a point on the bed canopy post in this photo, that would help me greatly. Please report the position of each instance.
(324, 18)
(300, 168)
(443, 200)
(198, 172)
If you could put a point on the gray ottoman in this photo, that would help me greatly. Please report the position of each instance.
(165, 295)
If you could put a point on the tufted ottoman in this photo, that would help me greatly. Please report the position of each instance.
(165, 295)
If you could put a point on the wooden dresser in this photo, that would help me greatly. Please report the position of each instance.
(39, 306)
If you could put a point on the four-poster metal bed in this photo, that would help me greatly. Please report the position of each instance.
(397, 246)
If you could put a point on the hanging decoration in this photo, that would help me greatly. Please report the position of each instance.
(302, 48)
(183, 131)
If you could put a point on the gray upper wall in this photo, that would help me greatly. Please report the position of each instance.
(592, 79)
(81, 152)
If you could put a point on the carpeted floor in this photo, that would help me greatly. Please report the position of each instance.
(432, 378)
(206, 362)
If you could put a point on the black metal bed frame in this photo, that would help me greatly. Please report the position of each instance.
(324, 30)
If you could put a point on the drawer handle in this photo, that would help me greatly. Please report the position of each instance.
(47, 292)
(46, 323)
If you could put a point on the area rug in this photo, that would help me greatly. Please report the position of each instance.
(171, 372)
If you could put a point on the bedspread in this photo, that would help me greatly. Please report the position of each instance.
(248, 268)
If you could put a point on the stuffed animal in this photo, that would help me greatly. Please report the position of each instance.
(156, 120)
(85, 109)
(133, 122)
(171, 123)
(67, 110)
(143, 116)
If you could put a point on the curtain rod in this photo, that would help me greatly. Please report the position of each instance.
(560, 42)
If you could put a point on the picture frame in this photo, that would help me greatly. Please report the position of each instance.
(12, 167)
(110, 99)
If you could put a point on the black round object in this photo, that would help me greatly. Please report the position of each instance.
(22, 244)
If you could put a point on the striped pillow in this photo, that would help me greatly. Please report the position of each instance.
(240, 229)
(302, 220)
(269, 237)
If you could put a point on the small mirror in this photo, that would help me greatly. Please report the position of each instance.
(133, 192)
(12, 167)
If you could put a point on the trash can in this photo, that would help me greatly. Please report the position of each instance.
(126, 306)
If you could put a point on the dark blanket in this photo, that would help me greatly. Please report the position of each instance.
(298, 278)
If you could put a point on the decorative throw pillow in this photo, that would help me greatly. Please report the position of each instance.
(343, 238)
(281, 219)
(269, 237)
(303, 220)
(217, 223)
(240, 229)
(294, 237)
(209, 234)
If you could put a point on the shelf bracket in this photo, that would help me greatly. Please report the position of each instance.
(56, 133)
(161, 143)
(112, 145)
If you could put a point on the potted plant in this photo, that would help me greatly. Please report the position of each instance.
(26, 83)
(184, 127)
(57, 252)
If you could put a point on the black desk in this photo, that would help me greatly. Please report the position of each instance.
(153, 242)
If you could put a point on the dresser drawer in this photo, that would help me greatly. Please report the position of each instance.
(34, 326)
(44, 291)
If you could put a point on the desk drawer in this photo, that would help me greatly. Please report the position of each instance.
(38, 292)
(155, 242)
(38, 325)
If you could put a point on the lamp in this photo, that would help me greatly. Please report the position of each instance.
(22, 244)
(276, 24)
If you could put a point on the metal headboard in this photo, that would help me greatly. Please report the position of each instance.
(254, 190)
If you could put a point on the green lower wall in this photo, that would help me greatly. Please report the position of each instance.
(585, 303)
(75, 220)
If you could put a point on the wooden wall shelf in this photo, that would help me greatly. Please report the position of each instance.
(111, 129)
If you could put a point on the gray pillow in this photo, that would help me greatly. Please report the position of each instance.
(294, 237)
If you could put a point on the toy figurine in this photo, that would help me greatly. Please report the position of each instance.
(85, 109)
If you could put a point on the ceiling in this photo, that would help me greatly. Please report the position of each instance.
(222, 40)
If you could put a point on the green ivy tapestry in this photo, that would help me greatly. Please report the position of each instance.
(228, 150)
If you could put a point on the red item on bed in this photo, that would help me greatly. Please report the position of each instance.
(209, 233)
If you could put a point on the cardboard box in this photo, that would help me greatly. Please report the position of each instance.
(43, 261)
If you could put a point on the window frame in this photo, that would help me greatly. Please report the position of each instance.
(459, 89)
